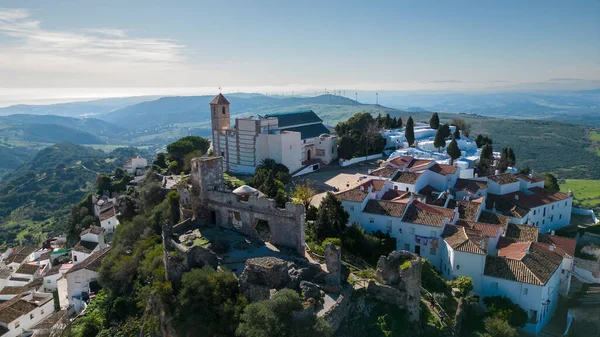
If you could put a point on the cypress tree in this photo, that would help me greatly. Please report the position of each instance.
(409, 133)
(479, 140)
(434, 122)
(399, 125)
(439, 140)
(388, 121)
(445, 129)
(453, 150)
(394, 123)
(456, 134)
(512, 160)
(379, 120)
(485, 160)
(503, 163)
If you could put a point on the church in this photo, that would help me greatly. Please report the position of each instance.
(298, 140)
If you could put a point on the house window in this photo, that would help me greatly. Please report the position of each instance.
(457, 266)
(109, 222)
(533, 315)
(304, 141)
(223, 110)
(411, 230)
(214, 111)
(395, 187)
(432, 251)
(433, 234)
(525, 291)
(407, 247)
(49, 281)
(352, 208)
(407, 189)
(75, 258)
(544, 211)
(560, 216)
(222, 153)
(565, 203)
(332, 149)
(30, 316)
(77, 279)
(495, 285)
(534, 211)
(543, 222)
(371, 220)
(389, 228)
(42, 311)
(400, 230)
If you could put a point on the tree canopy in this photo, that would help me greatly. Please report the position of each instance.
(331, 217)
(359, 136)
(434, 122)
(439, 141)
(462, 125)
(486, 160)
(183, 146)
(453, 150)
(409, 132)
(551, 183)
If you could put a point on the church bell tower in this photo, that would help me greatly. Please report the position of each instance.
(221, 122)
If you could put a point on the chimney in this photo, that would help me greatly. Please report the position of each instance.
(369, 171)
(456, 215)
(552, 233)
(476, 175)
(551, 248)
(531, 174)
(516, 197)
(496, 172)
(527, 251)
(362, 188)
(570, 193)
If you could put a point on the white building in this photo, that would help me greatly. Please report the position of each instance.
(459, 237)
(81, 279)
(132, 165)
(21, 313)
(294, 139)
(91, 240)
(108, 220)
(52, 276)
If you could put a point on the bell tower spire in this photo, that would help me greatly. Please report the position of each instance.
(221, 121)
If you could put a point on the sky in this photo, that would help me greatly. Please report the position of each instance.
(115, 47)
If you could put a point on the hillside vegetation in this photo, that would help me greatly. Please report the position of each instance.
(35, 200)
(585, 192)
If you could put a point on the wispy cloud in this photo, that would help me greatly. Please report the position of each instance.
(565, 79)
(446, 81)
(107, 44)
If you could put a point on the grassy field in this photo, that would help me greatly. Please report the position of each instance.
(585, 192)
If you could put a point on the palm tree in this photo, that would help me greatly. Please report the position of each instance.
(267, 163)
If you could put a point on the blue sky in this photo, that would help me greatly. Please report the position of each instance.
(297, 45)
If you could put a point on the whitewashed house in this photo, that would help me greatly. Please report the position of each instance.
(82, 278)
(108, 220)
(91, 240)
(52, 276)
(132, 165)
(19, 314)
(19, 255)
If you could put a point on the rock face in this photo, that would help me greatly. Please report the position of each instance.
(333, 261)
(398, 278)
(309, 290)
(261, 275)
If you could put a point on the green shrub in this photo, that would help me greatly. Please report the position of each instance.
(431, 280)
(503, 307)
(464, 284)
(335, 241)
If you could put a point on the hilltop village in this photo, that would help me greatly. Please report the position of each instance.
(414, 221)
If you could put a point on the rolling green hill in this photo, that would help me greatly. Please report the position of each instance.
(37, 197)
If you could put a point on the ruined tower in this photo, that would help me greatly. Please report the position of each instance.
(221, 122)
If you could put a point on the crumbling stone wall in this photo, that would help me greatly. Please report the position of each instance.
(397, 284)
(218, 206)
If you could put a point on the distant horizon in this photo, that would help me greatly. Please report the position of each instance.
(48, 96)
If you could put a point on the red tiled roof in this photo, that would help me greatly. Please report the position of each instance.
(93, 229)
(538, 197)
(493, 218)
(469, 185)
(449, 213)
(464, 240)
(503, 179)
(92, 262)
(28, 269)
(402, 161)
(406, 177)
(422, 214)
(107, 214)
(393, 194)
(467, 210)
(567, 244)
(535, 266)
(356, 194)
(388, 208)
(443, 169)
(485, 228)
(522, 232)
(528, 178)
(419, 164)
(506, 204)
(511, 248)
(384, 172)
(428, 190)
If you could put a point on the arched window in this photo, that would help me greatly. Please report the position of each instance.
(223, 110)
(214, 110)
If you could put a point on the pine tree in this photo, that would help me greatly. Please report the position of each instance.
(479, 140)
(399, 125)
(453, 150)
(379, 120)
(439, 140)
(434, 122)
(456, 134)
(394, 123)
(388, 121)
(409, 133)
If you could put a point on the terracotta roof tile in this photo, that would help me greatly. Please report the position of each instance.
(469, 185)
(393, 194)
(493, 218)
(534, 267)
(402, 161)
(50, 321)
(464, 240)
(94, 230)
(352, 194)
(567, 244)
(384, 172)
(92, 262)
(486, 229)
(421, 214)
(503, 179)
(109, 213)
(388, 208)
(443, 169)
(506, 205)
(522, 232)
(406, 177)
(28, 269)
(467, 210)
(536, 196)
(419, 164)
(528, 178)
(85, 246)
